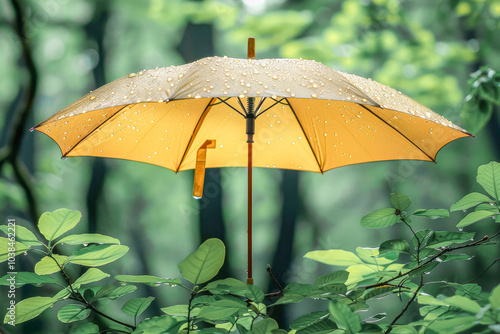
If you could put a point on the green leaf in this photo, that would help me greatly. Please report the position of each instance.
(380, 218)
(337, 277)
(215, 313)
(432, 213)
(23, 277)
(49, 265)
(334, 257)
(72, 312)
(445, 238)
(470, 200)
(114, 292)
(423, 236)
(400, 201)
(265, 326)
(87, 238)
(325, 326)
(344, 317)
(202, 265)
(403, 329)
(309, 319)
(476, 112)
(227, 286)
(158, 325)
(463, 303)
(147, 279)
(453, 325)
(491, 207)
(91, 275)
(85, 328)
(371, 256)
(177, 310)
(136, 306)
(98, 255)
(474, 217)
(379, 292)
(488, 176)
(8, 248)
(28, 309)
(397, 245)
(288, 299)
(54, 224)
(297, 288)
(22, 234)
(495, 298)
(255, 294)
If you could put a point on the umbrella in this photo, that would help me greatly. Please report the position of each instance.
(300, 113)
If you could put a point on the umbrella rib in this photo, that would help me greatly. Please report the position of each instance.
(242, 106)
(399, 132)
(272, 105)
(230, 106)
(91, 132)
(195, 132)
(305, 135)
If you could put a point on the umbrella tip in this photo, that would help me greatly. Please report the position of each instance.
(251, 48)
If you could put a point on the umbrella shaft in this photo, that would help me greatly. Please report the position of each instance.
(249, 231)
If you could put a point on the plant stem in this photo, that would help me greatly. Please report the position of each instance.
(78, 297)
(444, 251)
(389, 329)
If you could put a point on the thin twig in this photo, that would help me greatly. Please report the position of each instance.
(269, 270)
(415, 294)
(433, 258)
(483, 272)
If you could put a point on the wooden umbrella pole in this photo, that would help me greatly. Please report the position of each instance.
(250, 118)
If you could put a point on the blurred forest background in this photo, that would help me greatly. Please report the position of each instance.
(426, 48)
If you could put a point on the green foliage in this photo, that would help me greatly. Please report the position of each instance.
(484, 93)
(397, 267)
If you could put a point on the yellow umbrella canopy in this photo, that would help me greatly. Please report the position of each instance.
(304, 115)
(308, 117)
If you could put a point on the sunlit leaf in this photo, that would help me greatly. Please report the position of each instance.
(72, 312)
(87, 238)
(29, 308)
(474, 217)
(22, 234)
(98, 255)
(371, 256)
(204, 263)
(179, 310)
(334, 257)
(488, 176)
(91, 275)
(463, 303)
(400, 201)
(495, 298)
(470, 200)
(8, 248)
(49, 265)
(344, 317)
(54, 224)
(380, 218)
(136, 306)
